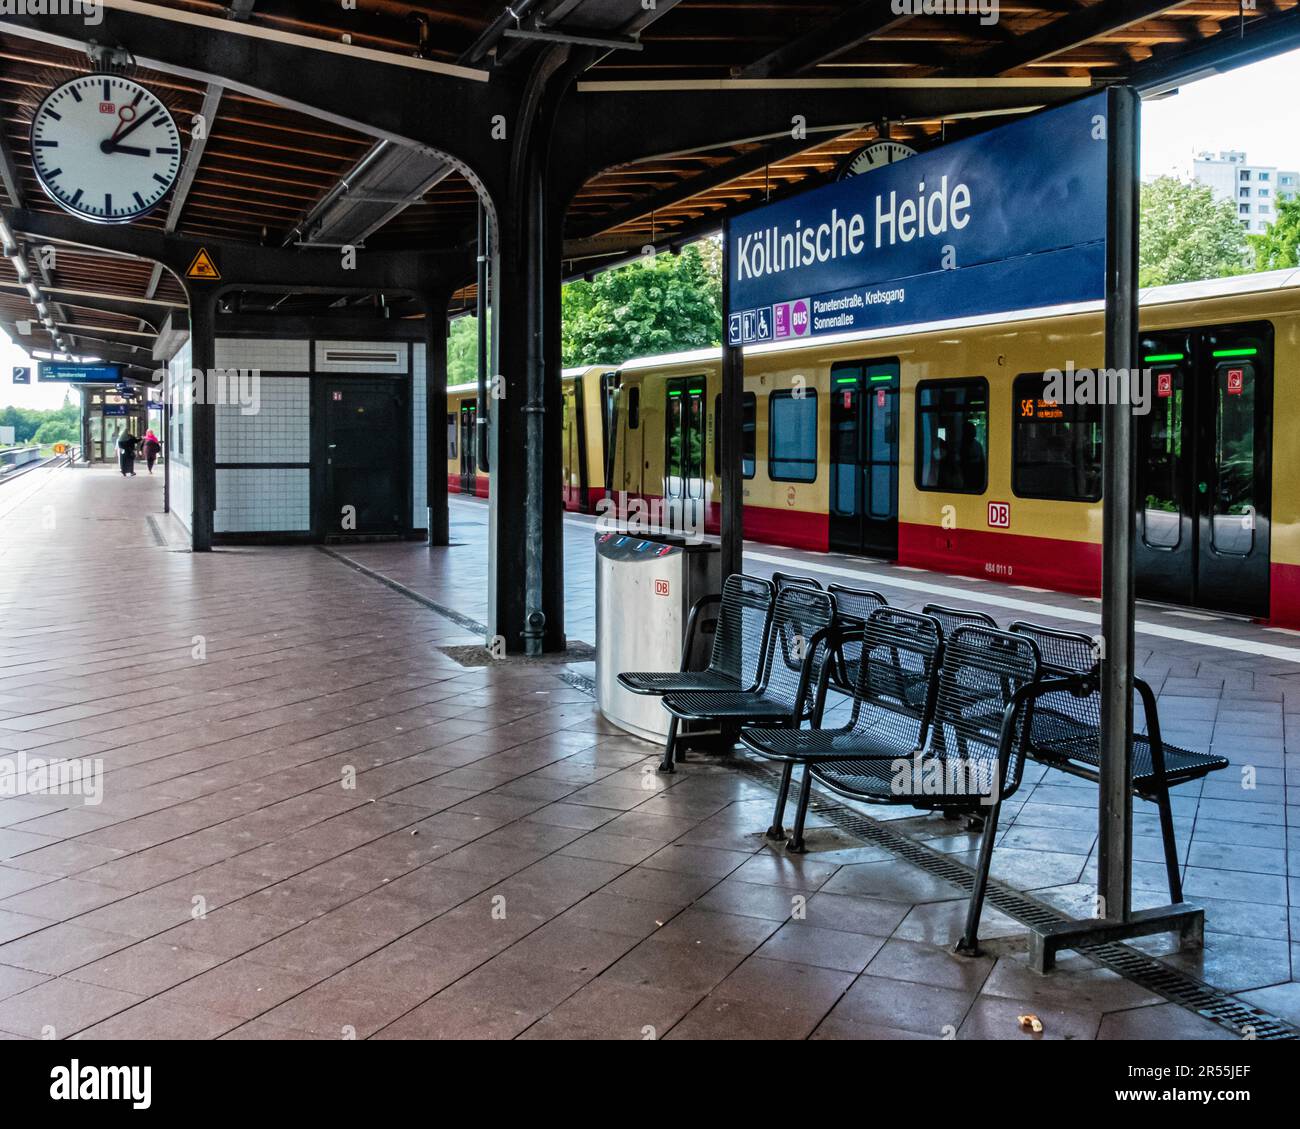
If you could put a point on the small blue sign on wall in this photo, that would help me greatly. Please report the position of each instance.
(22, 374)
(1012, 219)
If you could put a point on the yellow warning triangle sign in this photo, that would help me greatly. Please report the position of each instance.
(203, 267)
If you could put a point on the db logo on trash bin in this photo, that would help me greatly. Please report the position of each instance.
(661, 588)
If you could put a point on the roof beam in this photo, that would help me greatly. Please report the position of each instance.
(702, 182)
(1234, 47)
(1064, 33)
(851, 28)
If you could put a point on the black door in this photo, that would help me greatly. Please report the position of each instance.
(864, 458)
(468, 452)
(1204, 469)
(365, 456)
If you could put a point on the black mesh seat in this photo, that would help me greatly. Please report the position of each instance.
(895, 649)
(952, 618)
(784, 580)
(970, 740)
(744, 611)
(786, 690)
(1066, 733)
(852, 607)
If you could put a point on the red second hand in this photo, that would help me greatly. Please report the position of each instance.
(122, 120)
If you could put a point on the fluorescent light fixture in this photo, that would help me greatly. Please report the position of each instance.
(33, 290)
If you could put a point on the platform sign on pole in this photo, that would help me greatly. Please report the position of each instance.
(1012, 219)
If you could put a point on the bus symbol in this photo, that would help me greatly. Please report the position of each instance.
(1000, 515)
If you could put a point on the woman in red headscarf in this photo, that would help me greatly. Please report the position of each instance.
(151, 448)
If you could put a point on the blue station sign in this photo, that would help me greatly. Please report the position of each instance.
(73, 373)
(1012, 219)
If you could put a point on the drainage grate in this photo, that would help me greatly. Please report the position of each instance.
(1146, 971)
(475, 654)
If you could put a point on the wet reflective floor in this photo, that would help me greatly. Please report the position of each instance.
(315, 823)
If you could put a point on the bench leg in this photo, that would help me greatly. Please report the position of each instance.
(1171, 847)
(776, 832)
(670, 748)
(796, 845)
(969, 945)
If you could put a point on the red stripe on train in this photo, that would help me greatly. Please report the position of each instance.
(1044, 562)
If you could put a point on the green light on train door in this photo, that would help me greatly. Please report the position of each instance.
(1163, 358)
(1235, 352)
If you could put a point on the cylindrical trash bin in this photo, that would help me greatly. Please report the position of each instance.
(645, 589)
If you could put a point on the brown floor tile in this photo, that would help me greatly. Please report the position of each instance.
(61, 948)
(156, 1019)
(146, 968)
(241, 988)
(60, 1008)
(717, 1018)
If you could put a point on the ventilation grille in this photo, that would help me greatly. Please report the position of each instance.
(336, 356)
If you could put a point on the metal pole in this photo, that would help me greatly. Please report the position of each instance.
(480, 313)
(1115, 844)
(730, 427)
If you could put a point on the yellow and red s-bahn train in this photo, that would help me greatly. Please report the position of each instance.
(588, 400)
(934, 446)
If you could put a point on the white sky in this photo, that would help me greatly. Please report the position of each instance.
(1248, 109)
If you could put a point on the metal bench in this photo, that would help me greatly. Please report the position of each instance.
(968, 745)
(739, 638)
(852, 607)
(786, 689)
(784, 580)
(1066, 727)
(952, 618)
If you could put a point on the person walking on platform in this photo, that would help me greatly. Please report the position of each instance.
(151, 448)
(126, 445)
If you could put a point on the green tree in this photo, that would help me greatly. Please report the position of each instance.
(656, 305)
(1187, 235)
(462, 351)
(1279, 246)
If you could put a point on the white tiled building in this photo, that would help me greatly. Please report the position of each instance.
(1254, 189)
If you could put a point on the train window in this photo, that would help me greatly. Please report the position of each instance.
(792, 436)
(748, 428)
(952, 435)
(451, 435)
(634, 407)
(1056, 448)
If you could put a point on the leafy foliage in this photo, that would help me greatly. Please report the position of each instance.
(1279, 246)
(660, 305)
(51, 425)
(1187, 235)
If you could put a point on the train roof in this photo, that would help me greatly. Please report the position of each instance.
(568, 373)
(1262, 282)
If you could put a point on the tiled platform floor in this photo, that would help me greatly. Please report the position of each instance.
(316, 825)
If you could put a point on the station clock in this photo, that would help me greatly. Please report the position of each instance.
(875, 155)
(105, 148)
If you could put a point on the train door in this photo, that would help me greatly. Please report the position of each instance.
(468, 436)
(1204, 469)
(575, 447)
(684, 454)
(864, 458)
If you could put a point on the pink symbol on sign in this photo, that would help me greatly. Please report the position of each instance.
(799, 322)
(782, 319)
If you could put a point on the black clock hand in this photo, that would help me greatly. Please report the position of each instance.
(113, 142)
(131, 150)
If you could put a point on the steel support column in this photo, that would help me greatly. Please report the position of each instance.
(435, 406)
(203, 418)
(482, 417)
(730, 430)
(526, 512)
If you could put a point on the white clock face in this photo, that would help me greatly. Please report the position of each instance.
(876, 155)
(105, 148)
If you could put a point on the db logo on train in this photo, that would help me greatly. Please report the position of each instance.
(661, 588)
(1000, 515)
